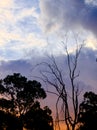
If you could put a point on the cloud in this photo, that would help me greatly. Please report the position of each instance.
(10, 17)
(86, 64)
(19, 29)
(68, 14)
(15, 66)
(17, 46)
(88, 67)
(26, 4)
(6, 4)
(91, 42)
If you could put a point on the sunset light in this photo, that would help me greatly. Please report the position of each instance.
(53, 44)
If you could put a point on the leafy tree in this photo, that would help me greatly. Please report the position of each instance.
(88, 112)
(19, 94)
(9, 121)
(38, 118)
(19, 97)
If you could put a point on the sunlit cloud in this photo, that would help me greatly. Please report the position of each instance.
(91, 42)
(6, 3)
(16, 44)
(19, 30)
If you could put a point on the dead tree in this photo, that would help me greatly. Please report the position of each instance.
(54, 77)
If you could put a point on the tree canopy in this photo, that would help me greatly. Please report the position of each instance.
(19, 97)
(38, 118)
(88, 112)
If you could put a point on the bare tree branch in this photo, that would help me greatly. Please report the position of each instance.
(54, 77)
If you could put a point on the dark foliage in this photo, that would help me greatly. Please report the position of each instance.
(19, 103)
(20, 92)
(38, 119)
(9, 121)
(88, 112)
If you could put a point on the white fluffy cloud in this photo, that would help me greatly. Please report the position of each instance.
(19, 29)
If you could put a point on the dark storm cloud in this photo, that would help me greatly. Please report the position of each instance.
(15, 66)
(87, 66)
(68, 14)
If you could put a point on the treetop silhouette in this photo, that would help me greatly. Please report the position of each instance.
(19, 105)
(88, 112)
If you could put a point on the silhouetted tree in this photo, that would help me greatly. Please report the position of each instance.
(19, 94)
(2, 120)
(53, 75)
(88, 112)
(9, 121)
(18, 97)
(38, 119)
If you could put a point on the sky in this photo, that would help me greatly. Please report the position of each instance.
(32, 29)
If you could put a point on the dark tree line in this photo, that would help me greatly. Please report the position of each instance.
(88, 112)
(19, 105)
